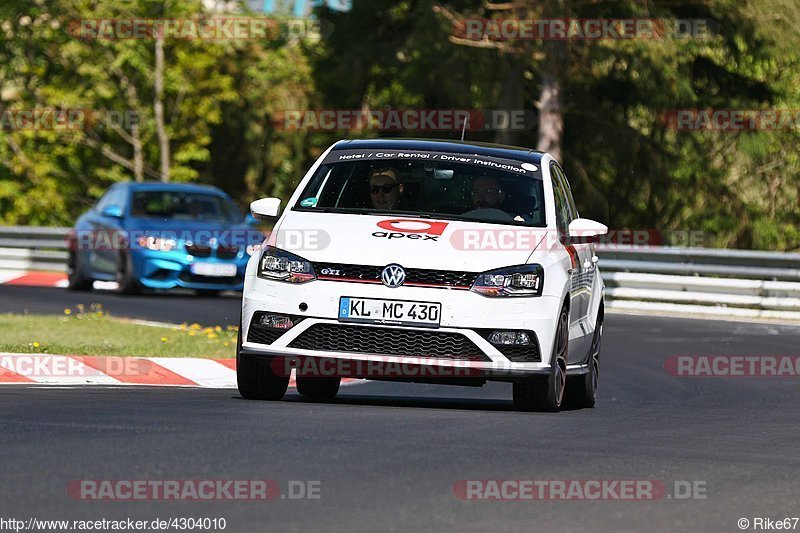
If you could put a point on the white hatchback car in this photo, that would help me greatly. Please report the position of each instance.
(426, 261)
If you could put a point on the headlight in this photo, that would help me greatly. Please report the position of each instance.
(157, 244)
(523, 280)
(280, 265)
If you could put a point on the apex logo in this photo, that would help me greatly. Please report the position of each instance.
(407, 228)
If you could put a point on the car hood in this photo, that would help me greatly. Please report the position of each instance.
(201, 232)
(408, 241)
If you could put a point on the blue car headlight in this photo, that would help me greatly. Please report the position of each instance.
(157, 244)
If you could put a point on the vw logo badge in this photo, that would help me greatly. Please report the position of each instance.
(393, 276)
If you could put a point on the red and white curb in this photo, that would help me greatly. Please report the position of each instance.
(33, 279)
(90, 370)
(49, 369)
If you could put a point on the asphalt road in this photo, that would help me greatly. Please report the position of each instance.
(165, 307)
(387, 456)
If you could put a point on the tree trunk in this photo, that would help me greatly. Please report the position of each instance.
(551, 118)
(158, 108)
(512, 97)
(138, 157)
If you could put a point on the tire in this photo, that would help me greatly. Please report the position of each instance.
(318, 388)
(582, 390)
(128, 284)
(546, 392)
(76, 279)
(255, 378)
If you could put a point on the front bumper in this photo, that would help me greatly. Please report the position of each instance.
(466, 317)
(168, 270)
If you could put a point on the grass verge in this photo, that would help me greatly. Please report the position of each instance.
(92, 332)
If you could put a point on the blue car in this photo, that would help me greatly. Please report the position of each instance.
(162, 236)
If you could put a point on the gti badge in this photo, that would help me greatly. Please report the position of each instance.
(393, 276)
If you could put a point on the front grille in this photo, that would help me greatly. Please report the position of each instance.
(388, 341)
(227, 253)
(198, 250)
(521, 354)
(414, 276)
(264, 335)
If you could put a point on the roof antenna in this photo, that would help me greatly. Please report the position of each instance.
(464, 129)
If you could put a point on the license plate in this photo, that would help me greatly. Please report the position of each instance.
(215, 270)
(377, 311)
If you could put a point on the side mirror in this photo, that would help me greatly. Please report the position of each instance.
(583, 230)
(266, 208)
(112, 211)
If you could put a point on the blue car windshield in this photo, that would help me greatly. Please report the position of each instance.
(178, 205)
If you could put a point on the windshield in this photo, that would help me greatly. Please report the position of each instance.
(179, 205)
(439, 185)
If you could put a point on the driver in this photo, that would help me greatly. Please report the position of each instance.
(487, 193)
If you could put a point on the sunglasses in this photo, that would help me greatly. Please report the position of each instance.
(386, 189)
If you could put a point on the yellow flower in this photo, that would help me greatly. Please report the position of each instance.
(196, 326)
(192, 333)
(164, 339)
(226, 344)
(67, 311)
(36, 344)
(217, 329)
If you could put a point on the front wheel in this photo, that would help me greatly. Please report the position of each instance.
(546, 392)
(76, 278)
(126, 281)
(317, 388)
(255, 378)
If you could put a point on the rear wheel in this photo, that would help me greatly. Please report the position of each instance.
(546, 392)
(318, 388)
(255, 378)
(582, 390)
(76, 278)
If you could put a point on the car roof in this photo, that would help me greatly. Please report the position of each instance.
(176, 187)
(438, 145)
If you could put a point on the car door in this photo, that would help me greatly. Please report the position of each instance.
(583, 276)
